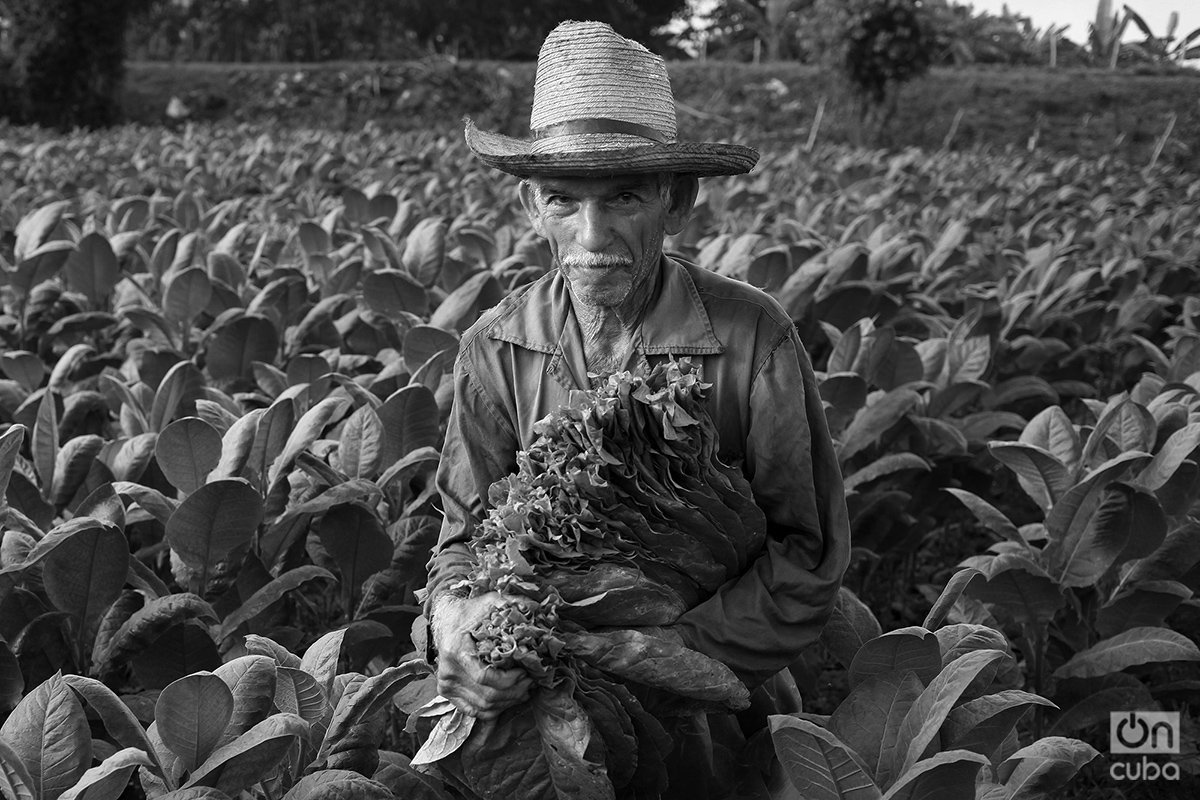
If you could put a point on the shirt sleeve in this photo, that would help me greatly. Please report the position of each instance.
(480, 448)
(759, 622)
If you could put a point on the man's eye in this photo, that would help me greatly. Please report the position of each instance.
(627, 198)
(557, 200)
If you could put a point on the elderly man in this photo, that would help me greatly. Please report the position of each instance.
(604, 181)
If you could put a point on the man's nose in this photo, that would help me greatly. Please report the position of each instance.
(595, 231)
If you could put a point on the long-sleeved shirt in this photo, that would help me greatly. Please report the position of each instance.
(521, 359)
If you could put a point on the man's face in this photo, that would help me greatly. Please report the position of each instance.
(606, 234)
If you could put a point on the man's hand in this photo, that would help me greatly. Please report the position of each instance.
(479, 690)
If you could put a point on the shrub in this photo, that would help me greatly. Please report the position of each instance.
(887, 43)
(67, 61)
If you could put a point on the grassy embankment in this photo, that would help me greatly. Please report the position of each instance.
(1070, 111)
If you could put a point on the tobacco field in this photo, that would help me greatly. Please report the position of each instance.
(224, 380)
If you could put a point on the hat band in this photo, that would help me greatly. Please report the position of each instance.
(599, 125)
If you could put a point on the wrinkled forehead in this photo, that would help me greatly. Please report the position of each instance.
(589, 186)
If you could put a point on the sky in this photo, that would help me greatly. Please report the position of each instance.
(1078, 13)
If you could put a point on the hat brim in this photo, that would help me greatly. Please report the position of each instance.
(702, 159)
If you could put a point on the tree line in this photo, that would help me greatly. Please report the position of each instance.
(61, 61)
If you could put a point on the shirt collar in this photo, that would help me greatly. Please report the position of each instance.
(675, 321)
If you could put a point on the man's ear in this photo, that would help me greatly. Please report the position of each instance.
(528, 195)
(684, 189)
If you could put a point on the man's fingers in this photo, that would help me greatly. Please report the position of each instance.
(503, 678)
(483, 701)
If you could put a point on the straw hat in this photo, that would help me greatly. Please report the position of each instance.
(602, 105)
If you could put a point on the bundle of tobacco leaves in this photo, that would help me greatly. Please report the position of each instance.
(619, 518)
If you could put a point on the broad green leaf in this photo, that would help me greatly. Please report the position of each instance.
(213, 521)
(1178, 553)
(1100, 697)
(265, 597)
(68, 364)
(181, 387)
(130, 460)
(191, 714)
(988, 515)
(49, 731)
(311, 703)
(390, 292)
(85, 574)
(15, 780)
(360, 451)
(1045, 766)
(1128, 425)
(321, 658)
(925, 717)
(117, 718)
(35, 228)
(869, 718)
(251, 681)
(237, 446)
(1170, 456)
(895, 652)
(274, 428)
(308, 429)
(353, 711)
(149, 500)
(1043, 477)
(464, 305)
(45, 441)
(425, 249)
(982, 724)
(72, 466)
(1136, 646)
(354, 537)
(817, 764)
(26, 368)
(967, 359)
(949, 596)
(187, 450)
(182, 649)
(423, 342)
(263, 646)
(187, 295)
(1141, 604)
(294, 522)
(884, 466)
(196, 793)
(876, 419)
(411, 420)
(1085, 552)
(92, 269)
(851, 625)
(565, 730)
(149, 622)
(448, 734)
(109, 778)
(12, 682)
(10, 447)
(1018, 586)
(252, 757)
(949, 775)
(1079, 503)
(338, 784)
(235, 347)
(1051, 430)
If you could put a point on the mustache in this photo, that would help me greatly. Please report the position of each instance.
(594, 260)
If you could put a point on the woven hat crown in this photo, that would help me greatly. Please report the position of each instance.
(589, 81)
(602, 105)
